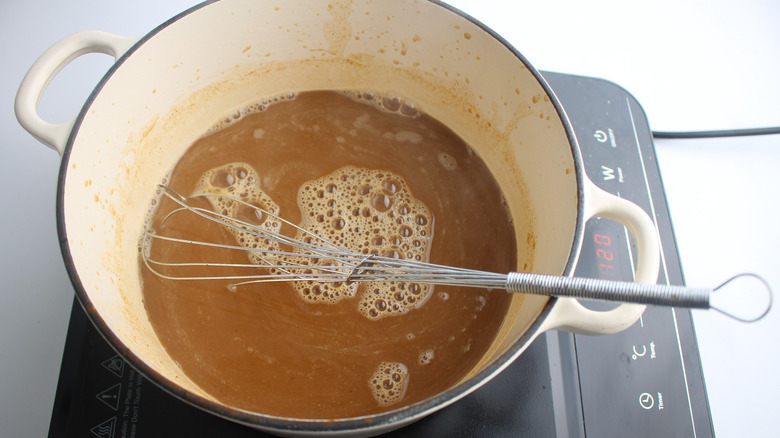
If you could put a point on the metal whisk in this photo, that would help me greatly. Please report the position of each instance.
(316, 259)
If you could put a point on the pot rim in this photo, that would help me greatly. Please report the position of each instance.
(404, 414)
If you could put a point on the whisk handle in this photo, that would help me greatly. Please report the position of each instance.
(609, 290)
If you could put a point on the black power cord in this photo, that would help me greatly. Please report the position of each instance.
(715, 134)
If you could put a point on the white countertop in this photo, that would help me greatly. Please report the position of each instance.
(693, 65)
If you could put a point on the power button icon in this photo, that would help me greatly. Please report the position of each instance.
(646, 400)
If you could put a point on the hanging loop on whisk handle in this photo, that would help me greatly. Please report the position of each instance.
(609, 290)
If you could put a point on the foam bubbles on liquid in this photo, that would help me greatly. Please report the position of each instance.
(237, 115)
(447, 161)
(425, 357)
(240, 181)
(150, 212)
(404, 136)
(389, 382)
(389, 103)
(369, 212)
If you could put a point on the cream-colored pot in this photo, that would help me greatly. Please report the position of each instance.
(166, 88)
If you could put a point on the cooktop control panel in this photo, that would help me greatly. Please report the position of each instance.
(646, 380)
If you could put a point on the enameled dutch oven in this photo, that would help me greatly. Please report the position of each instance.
(166, 88)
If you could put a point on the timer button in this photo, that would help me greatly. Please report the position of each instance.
(646, 400)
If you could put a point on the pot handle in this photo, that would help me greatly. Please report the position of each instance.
(568, 314)
(55, 135)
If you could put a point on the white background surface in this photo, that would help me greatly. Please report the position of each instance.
(691, 64)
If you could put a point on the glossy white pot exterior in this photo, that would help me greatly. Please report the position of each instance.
(168, 87)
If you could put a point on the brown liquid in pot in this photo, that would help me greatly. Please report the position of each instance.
(290, 350)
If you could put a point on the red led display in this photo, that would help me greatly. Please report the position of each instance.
(604, 252)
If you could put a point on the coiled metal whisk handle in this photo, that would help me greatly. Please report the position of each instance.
(627, 292)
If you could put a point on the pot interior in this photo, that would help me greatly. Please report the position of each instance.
(223, 56)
